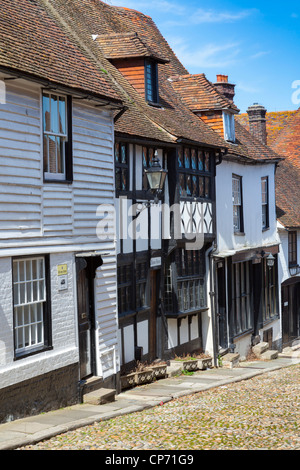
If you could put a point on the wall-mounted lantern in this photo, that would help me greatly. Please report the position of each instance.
(156, 176)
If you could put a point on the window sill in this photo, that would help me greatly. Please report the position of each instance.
(154, 105)
(239, 234)
(32, 352)
(186, 314)
(58, 181)
(265, 229)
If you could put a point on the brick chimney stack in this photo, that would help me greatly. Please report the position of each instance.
(224, 87)
(257, 122)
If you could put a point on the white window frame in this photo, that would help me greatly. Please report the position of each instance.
(64, 136)
(237, 203)
(29, 300)
(265, 202)
(229, 126)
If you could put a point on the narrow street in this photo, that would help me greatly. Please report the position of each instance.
(262, 413)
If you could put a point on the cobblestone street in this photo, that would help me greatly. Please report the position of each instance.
(260, 413)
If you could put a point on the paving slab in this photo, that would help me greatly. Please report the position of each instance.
(37, 428)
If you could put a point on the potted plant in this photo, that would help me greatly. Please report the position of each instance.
(187, 363)
(143, 374)
(159, 370)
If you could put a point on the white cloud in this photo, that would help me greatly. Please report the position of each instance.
(260, 54)
(208, 56)
(144, 6)
(213, 16)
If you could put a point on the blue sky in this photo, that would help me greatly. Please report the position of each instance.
(257, 44)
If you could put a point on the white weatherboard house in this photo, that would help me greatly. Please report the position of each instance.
(58, 319)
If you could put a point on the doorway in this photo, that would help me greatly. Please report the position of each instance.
(154, 279)
(221, 304)
(86, 271)
(290, 298)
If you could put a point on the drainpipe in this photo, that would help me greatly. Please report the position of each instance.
(212, 294)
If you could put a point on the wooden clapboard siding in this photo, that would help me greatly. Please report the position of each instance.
(215, 121)
(134, 71)
(20, 163)
(30, 208)
(93, 183)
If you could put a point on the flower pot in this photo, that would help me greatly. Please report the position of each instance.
(205, 363)
(127, 381)
(159, 371)
(185, 364)
(143, 377)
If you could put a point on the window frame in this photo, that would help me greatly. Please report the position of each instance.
(179, 278)
(240, 212)
(134, 284)
(292, 248)
(153, 80)
(189, 174)
(67, 175)
(46, 344)
(119, 166)
(270, 292)
(229, 126)
(241, 298)
(265, 204)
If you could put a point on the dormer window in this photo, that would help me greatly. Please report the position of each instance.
(151, 81)
(229, 126)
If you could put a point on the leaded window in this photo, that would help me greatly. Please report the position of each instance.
(269, 291)
(121, 166)
(241, 297)
(293, 248)
(195, 167)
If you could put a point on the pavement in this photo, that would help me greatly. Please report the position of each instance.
(31, 430)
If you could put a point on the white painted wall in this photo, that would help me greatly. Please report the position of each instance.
(254, 236)
(59, 219)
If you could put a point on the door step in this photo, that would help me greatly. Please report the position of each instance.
(262, 351)
(100, 397)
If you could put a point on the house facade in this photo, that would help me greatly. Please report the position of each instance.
(281, 132)
(163, 284)
(247, 299)
(58, 278)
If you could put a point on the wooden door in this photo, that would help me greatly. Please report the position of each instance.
(290, 296)
(84, 324)
(153, 314)
(221, 305)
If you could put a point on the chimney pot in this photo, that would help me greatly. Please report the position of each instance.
(227, 89)
(257, 122)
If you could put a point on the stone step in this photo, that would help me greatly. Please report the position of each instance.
(230, 360)
(100, 397)
(269, 355)
(260, 348)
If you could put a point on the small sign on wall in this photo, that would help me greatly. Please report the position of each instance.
(62, 269)
(62, 273)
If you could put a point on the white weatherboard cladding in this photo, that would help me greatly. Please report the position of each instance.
(253, 235)
(32, 209)
(64, 326)
(56, 218)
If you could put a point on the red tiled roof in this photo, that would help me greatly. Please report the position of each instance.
(126, 45)
(275, 122)
(287, 143)
(288, 194)
(33, 42)
(198, 93)
(168, 123)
